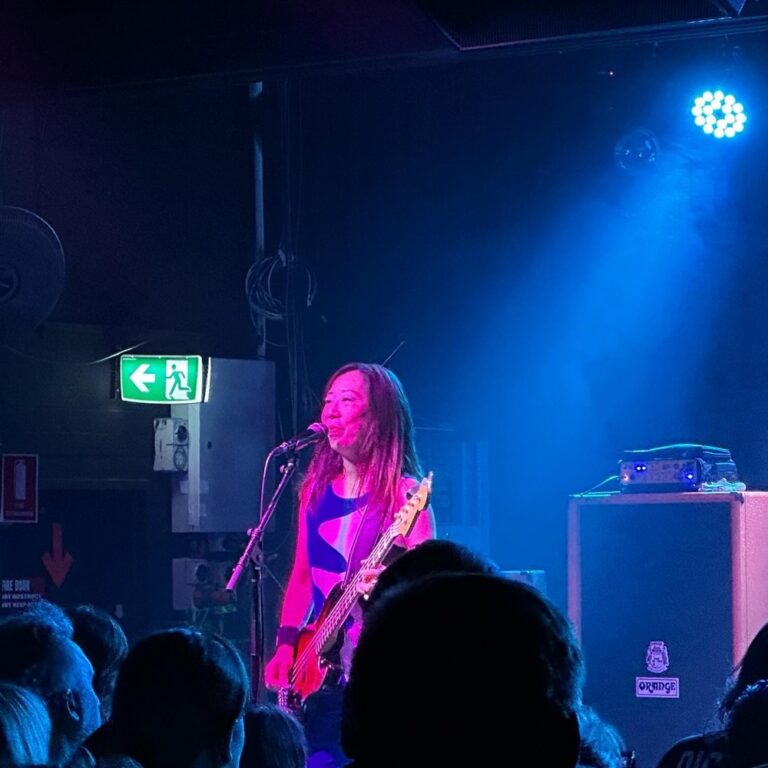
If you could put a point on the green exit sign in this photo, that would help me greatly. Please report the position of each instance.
(162, 379)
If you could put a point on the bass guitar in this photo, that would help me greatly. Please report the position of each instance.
(318, 639)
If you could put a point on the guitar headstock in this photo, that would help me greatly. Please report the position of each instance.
(406, 516)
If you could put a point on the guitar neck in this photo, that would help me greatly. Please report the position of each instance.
(332, 623)
(346, 602)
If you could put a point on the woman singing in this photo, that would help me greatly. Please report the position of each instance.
(354, 484)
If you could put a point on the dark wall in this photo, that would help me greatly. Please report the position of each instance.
(151, 193)
(97, 485)
(549, 302)
(96, 479)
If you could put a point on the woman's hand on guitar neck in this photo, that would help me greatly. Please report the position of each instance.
(368, 579)
(279, 667)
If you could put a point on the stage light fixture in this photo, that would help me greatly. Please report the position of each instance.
(636, 151)
(719, 114)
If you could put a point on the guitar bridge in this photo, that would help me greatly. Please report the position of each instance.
(289, 701)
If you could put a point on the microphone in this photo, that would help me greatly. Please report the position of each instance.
(314, 433)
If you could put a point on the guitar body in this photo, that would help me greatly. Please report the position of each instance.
(319, 644)
(319, 667)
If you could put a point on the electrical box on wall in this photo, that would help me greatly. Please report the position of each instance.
(171, 445)
(229, 438)
(200, 583)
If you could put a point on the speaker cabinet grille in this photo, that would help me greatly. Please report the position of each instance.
(666, 591)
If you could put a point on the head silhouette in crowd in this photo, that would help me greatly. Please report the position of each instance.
(601, 744)
(752, 667)
(179, 702)
(273, 739)
(426, 559)
(25, 727)
(105, 644)
(748, 727)
(37, 651)
(475, 667)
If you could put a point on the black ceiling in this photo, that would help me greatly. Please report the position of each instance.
(484, 23)
(52, 46)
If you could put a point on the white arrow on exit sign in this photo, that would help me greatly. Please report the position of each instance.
(141, 378)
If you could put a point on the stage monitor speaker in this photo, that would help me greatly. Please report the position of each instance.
(666, 591)
(229, 437)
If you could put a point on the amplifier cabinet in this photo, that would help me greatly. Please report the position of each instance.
(665, 592)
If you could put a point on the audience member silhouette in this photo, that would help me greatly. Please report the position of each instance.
(476, 669)
(428, 558)
(273, 739)
(323, 711)
(25, 727)
(601, 744)
(748, 727)
(752, 668)
(179, 703)
(37, 651)
(105, 644)
(710, 749)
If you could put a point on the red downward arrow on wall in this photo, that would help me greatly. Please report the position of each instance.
(57, 562)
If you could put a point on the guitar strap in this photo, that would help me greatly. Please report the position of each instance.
(372, 526)
(367, 535)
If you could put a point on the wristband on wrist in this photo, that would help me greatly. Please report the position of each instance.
(287, 635)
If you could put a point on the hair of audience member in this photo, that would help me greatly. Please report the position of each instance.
(116, 761)
(25, 727)
(747, 731)
(180, 693)
(428, 558)
(273, 739)
(48, 613)
(106, 646)
(26, 648)
(37, 651)
(84, 759)
(601, 744)
(495, 663)
(29, 642)
(752, 667)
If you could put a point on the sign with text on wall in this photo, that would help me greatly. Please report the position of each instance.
(164, 379)
(17, 594)
(18, 503)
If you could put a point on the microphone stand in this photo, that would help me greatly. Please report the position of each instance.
(253, 554)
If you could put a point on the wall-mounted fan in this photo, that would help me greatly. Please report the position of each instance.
(31, 270)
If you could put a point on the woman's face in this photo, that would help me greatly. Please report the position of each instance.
(345, 413)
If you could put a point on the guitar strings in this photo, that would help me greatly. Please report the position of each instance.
(314, 647)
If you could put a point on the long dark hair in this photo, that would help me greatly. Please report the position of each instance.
(179, 692)
(753, 667)
(104, 643)
(273, 739)
(387, 447)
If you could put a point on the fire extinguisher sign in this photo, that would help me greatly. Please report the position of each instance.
(19, 488)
